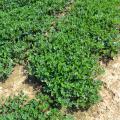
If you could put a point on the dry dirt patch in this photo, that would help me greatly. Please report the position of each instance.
(109, 107)
(16, 83)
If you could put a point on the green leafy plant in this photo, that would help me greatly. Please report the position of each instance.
(61, 52)
(6, 62)
(18, 31)
(66, 61)
(18, 107)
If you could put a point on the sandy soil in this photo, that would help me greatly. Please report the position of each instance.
(109, 107)
(16, 83)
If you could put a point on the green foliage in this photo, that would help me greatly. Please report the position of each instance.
(7, 5)
(61, 52)
(6, 62)
(19, 25)
(27, 20)
(19, 108)
(65, 70)
(66, 61)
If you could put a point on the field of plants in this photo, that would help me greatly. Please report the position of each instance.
(60, 43)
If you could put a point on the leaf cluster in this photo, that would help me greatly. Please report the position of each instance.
(19, 108)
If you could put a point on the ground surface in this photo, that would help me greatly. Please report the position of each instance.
(17, 82)
(107, 109)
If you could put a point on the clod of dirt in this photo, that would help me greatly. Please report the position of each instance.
(109, 107)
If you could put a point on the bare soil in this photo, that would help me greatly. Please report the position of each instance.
(17, 82)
